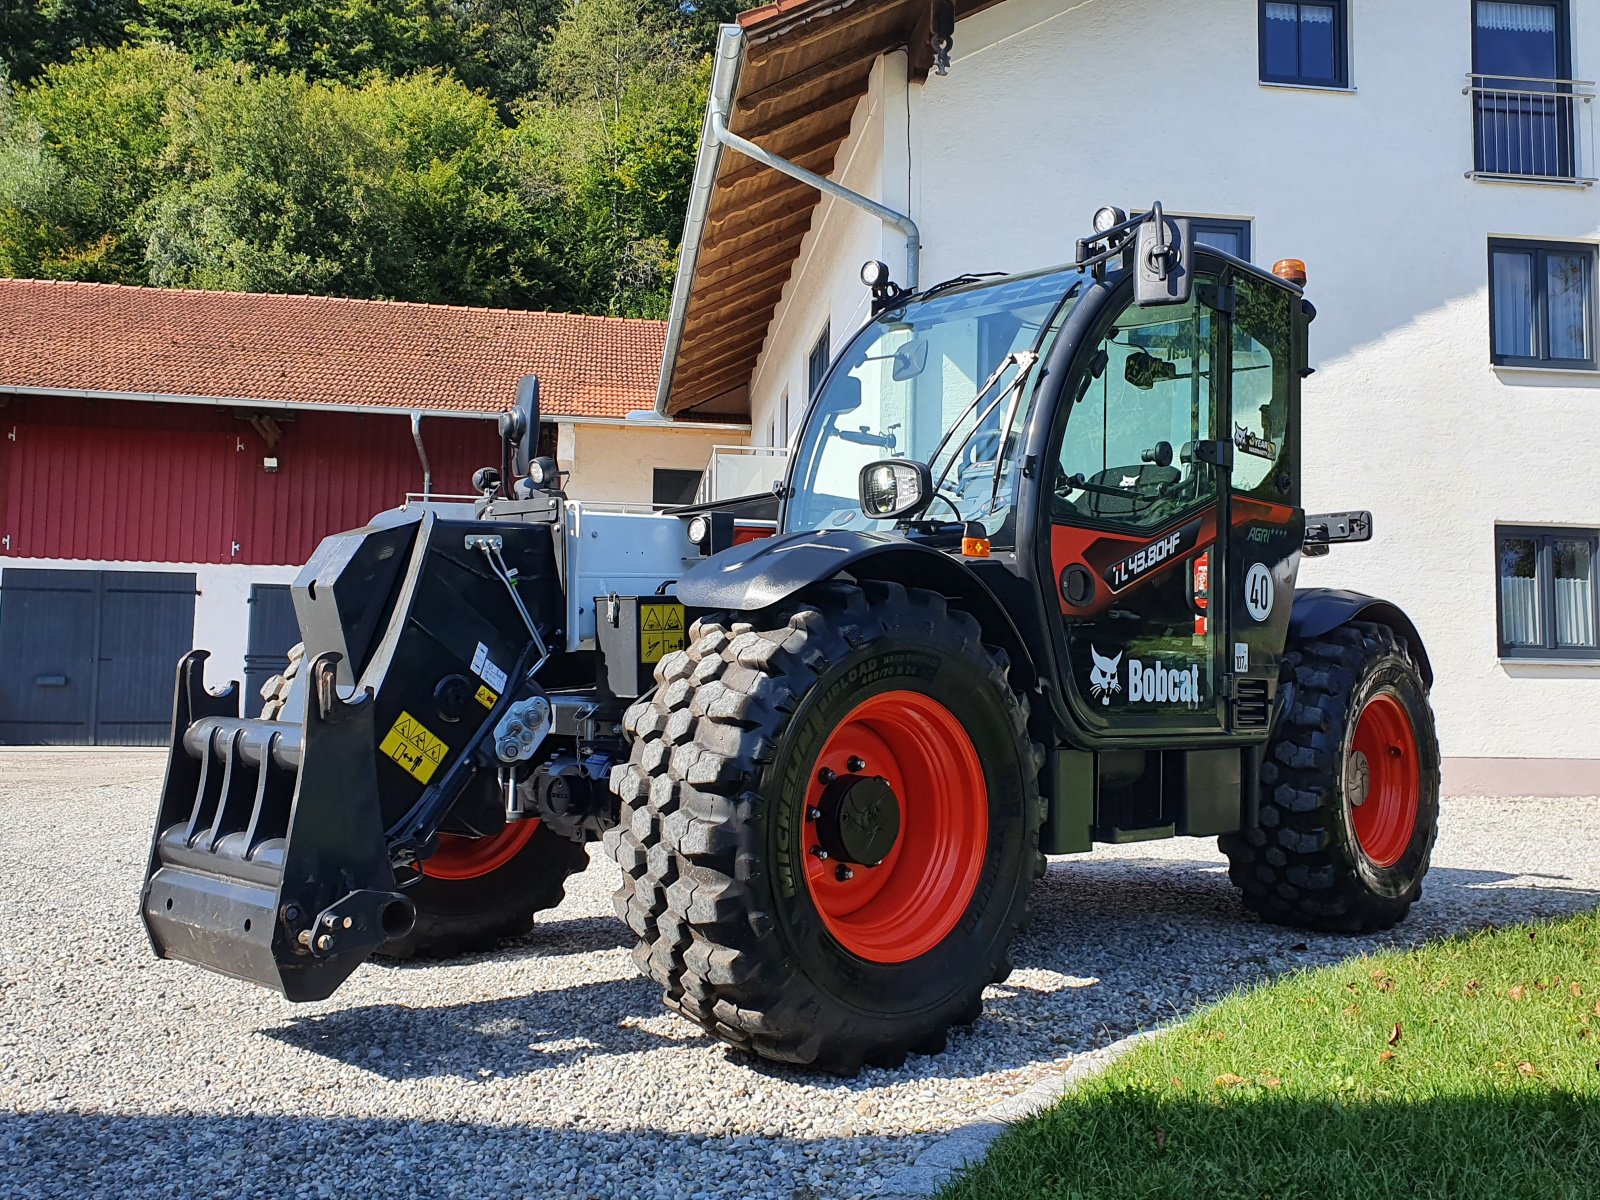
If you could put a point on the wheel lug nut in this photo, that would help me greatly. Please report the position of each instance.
(818, 852)
(844, 874)
(856, 765)
(826, 776)
(813, 814)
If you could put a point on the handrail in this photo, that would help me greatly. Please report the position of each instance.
(1473, 75)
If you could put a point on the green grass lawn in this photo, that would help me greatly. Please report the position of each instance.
(1468, 1068)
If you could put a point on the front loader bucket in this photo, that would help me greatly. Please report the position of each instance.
(268, 861)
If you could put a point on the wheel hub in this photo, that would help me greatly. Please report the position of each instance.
(858, 819)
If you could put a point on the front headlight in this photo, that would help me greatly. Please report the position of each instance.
(894, 487)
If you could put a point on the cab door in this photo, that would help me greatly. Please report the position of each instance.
(1139, 522)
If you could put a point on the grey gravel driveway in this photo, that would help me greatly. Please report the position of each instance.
(549, 1068)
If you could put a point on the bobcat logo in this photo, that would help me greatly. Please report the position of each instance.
(1103, 680)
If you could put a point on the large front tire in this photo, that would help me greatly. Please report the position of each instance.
(744, 765)
(1349, 790)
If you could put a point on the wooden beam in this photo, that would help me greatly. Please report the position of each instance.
(826, 105)
(701, 385)
(713, 358)
(734, 276)
(751, 302)
(720, 338)
(791, 228)
(791, 194)
(825, 71)
(826, 25)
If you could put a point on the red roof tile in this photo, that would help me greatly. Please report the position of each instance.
(314, 349)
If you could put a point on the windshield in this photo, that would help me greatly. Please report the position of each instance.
(946, 381)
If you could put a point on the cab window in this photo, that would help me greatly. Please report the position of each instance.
(1263, 464)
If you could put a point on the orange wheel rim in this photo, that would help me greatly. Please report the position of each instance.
(906, 904)
(1384, 780)
(470, 857)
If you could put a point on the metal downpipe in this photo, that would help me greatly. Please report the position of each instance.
(422, 453)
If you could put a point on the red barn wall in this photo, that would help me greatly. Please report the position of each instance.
(116, 480)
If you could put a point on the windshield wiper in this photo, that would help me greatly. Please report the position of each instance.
(958, 281)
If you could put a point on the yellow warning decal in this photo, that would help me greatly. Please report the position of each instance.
(486, 697)
(661, 629)
(414, 747)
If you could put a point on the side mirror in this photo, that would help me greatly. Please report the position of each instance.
(910, 360)
(519, 428)
(893, 488)
(1163, 261)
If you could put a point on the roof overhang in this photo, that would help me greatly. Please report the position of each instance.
(789, 76)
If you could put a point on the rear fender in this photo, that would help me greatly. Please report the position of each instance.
(1318, 611)
(763, 573)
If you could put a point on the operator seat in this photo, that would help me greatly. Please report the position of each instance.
(1147, 478)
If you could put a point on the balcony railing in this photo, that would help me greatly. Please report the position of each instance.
(741, 471)
(1532, 130)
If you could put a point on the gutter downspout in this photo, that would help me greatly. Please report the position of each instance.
(422, 453)
(725, 74)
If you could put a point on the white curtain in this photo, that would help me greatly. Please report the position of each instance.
(1519, 611)
(1510, 18)
(1567, 294)
(1513, 304)
(1310, 14)
(1574, 615)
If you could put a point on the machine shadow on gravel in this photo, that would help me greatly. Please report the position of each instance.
(1115, 929)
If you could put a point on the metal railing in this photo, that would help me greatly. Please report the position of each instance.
(1532, 130)
(741, 471)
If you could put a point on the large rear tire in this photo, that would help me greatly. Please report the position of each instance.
(1349, 790)
(829, 826)
(474, 892)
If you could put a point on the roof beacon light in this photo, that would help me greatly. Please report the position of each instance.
(1291, 269)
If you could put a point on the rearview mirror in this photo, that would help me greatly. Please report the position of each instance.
(910, 360)
(1163, 262)
(895, 487)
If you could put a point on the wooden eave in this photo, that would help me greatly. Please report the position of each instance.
(806, 67)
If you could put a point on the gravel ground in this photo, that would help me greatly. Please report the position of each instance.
(549, 1068)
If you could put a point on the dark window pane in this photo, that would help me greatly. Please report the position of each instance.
(673, 487)
(1513, 305)
(1519, 592)
(1281, 40)
(821, 354)
(1574, 615)
(1318, 48)
(1229, 241)
(1568, 300)
(1517, 39)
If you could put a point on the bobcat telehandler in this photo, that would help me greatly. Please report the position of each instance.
(1032, 587)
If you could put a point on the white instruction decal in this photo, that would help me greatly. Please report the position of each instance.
(484, 668)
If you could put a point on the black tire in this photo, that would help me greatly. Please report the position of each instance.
(458, 916)
(1305, 866)
(713, 803)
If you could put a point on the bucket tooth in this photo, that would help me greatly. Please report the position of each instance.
(268, 861)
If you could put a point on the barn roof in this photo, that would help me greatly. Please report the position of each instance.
(110, 339)
(804, 67)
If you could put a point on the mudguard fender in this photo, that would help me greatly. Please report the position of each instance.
(1319, 610)
(762, 573)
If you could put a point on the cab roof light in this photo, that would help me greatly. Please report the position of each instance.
(1291, 269)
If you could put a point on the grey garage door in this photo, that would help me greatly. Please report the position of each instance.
(90, 657)
(273, 630)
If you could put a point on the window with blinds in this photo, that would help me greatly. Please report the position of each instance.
(1549, 596)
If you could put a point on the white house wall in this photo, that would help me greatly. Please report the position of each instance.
(1052, 109)
(825, 287)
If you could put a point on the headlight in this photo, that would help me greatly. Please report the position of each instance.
(875, 274)
(1108, 218)
(894, 487)
(700, 530)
